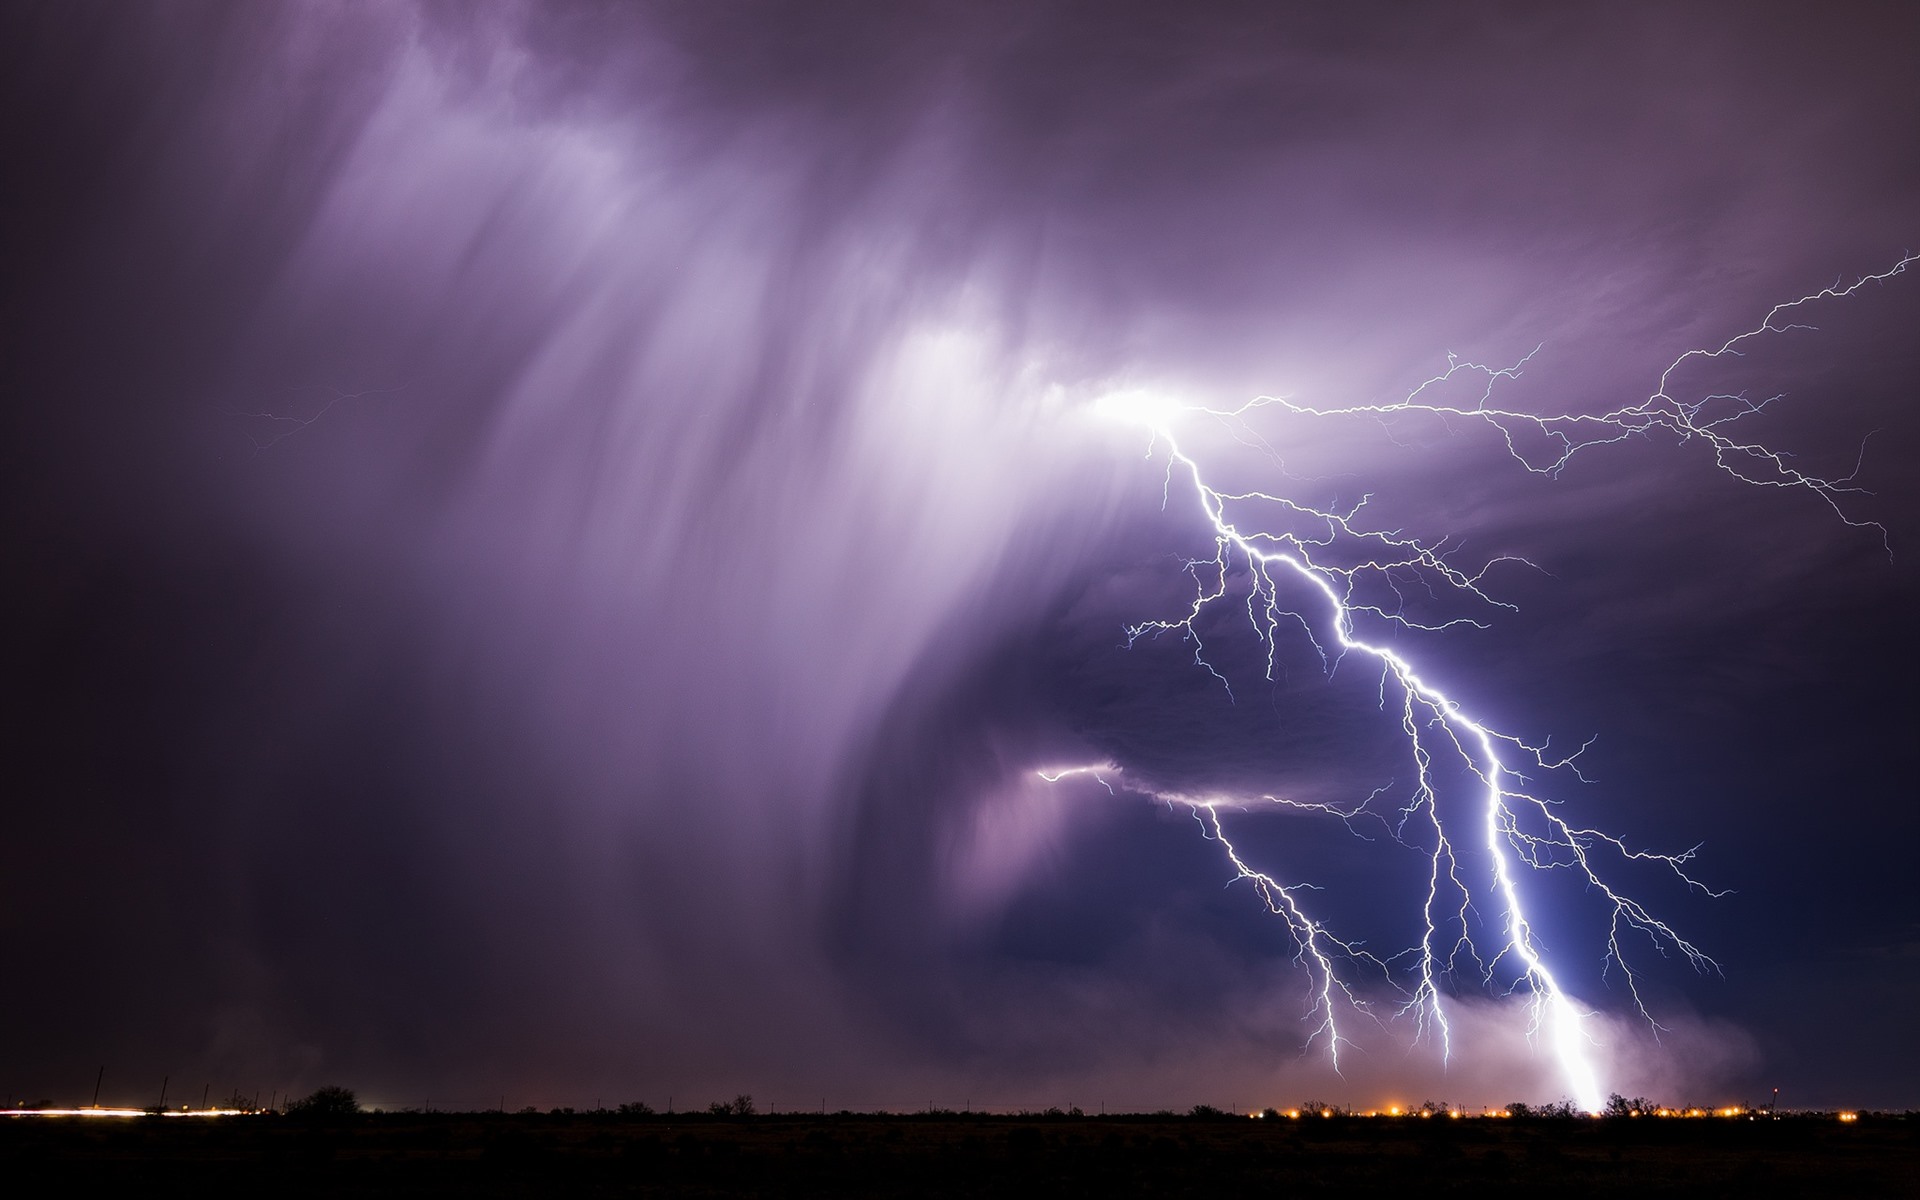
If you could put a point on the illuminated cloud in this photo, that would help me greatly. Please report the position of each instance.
(556, 537)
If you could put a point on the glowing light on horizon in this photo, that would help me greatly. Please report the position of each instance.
(127, 1112)
(1322, 572)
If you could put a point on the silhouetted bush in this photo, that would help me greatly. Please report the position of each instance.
(328, 1103)
(1620, 1106)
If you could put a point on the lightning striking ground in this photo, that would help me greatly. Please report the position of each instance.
(1479, 807)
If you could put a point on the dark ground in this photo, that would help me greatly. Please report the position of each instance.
(951, 1155)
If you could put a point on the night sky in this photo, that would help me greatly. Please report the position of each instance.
(547, 543)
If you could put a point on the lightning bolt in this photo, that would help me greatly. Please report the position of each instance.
(1477, 808)
(277, 427)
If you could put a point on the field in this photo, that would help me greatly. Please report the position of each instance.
(604, 1154)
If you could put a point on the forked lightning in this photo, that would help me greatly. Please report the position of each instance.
(1477, 808)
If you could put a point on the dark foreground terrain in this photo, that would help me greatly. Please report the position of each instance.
(411, 1154)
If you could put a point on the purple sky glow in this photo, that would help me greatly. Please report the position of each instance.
(549, 541)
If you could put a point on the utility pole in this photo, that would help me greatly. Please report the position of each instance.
(96, 1086)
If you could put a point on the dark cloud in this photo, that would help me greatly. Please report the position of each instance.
(552, 538)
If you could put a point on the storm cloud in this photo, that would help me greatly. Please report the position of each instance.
(551, 539)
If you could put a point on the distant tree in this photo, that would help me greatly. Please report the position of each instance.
(1620, 1106)
(739, 1106)
(1206, 1112)
(325, 1103)
(1519, 1111)
(636, 1108)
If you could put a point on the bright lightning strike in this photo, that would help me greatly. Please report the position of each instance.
(1476, 807)
(1098, 774)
